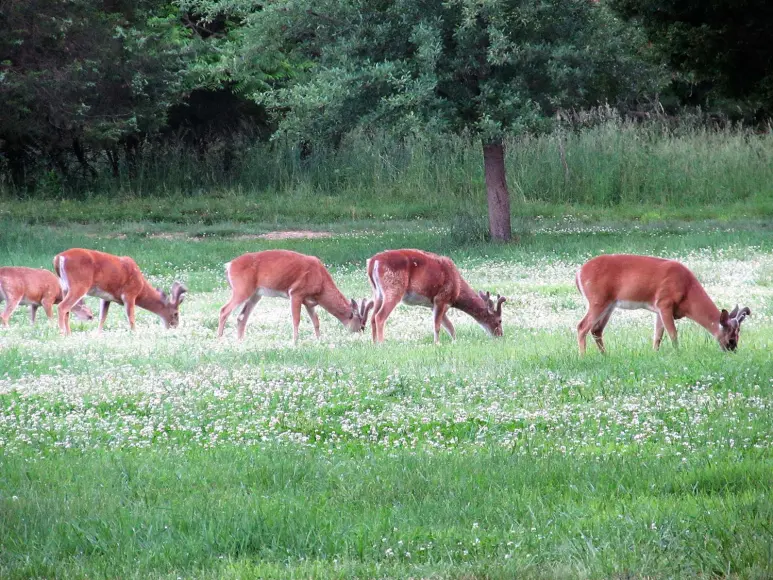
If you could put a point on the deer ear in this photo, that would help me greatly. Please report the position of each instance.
(745, 311)
(365, 309)
(734, 312)
(177, 293)
(724, 317)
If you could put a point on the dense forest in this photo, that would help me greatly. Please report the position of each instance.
(104, 95)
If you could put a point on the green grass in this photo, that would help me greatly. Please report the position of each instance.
(283, 513)
(174, 454)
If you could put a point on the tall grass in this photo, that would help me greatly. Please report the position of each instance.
(613, 164)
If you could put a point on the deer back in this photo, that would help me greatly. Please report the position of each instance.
(278, 271)
(426, 274)
(115, 276)
(635, 279)
(32, 285)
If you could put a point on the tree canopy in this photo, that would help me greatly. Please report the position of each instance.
(487, 69)
(84, 73)
(720, 46)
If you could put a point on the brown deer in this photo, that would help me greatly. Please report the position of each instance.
(664, 287)
(112, 279)
(286, 274)
(421, 278)
(34, 287)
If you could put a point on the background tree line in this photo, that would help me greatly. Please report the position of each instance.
(90, 88)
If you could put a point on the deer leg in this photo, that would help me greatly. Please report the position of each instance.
(667, 316)
(33, 312)
(314, 319)
(244, 315)
(130, 312)
(598, 329)
(104, 305)
(10, 305)
(446, 322)
(295, 308)
(594, 314)
(72, 297)
(380, 318)
(438, 314)
(48, 308)
(658, 335)
(225, 311)
(378, 302)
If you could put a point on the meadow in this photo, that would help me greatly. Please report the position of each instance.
(169, 453)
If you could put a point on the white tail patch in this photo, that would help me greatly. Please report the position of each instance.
(377, 280)
(228, 274)
(581, 287)
(64, 284)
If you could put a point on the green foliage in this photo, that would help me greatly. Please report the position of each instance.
(494, 68)
(78, 77)
(230, 59)
(722, 45)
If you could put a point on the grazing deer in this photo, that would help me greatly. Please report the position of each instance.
(34, 287)
(112, 279)
(664, 287)
(283, 273)
(423, 279)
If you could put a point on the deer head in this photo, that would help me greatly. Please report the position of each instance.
(730, 327)
(81, 311)
(354, 321)
(492, 320)
(170, 312)
(358, 315)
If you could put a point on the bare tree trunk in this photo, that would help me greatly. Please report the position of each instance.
(131, 151)
(112, 157)
(80, 155)
(496, 191)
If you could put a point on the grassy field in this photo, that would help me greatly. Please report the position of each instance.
(174, 454)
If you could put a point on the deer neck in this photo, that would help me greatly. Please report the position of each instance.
(150, 299)
(703, 310)
(332, 300)
(471, 303)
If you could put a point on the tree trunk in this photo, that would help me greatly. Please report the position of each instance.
(112, 157)
(80, 155)
(496, 191)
